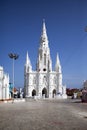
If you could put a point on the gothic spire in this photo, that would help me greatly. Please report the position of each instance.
(57, 65)
(28, 60)
(57, 60)
(44, 28)
(44, 38)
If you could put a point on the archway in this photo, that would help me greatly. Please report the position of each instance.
(33, 92)
(54, 93)
(44, 92)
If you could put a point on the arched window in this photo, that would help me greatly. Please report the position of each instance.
(44, 59)
(40, 55)
(34, 80)
(28, 69)
(54, 80)
(44, 79)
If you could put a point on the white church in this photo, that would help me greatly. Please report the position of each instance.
(44, 82)
(4, 85)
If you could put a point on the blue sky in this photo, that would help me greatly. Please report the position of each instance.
(20, 30)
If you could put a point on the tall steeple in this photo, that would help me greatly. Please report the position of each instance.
(44, 62)
(57, 65)
(44, 38)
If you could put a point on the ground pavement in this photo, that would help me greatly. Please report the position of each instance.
(44, 115)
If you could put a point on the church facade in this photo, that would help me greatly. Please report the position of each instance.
(44, 82)
(4, 85)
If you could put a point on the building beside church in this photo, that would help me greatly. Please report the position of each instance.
(44, 82)
(85, 84)
(4, 85)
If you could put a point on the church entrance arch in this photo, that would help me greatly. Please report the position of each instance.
(33, 92)
(44, 92)
(54, 93)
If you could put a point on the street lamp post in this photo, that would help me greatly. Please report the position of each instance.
(13, 56)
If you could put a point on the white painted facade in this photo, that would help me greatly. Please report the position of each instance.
(4, 85)
(44, 82)
(85, 84)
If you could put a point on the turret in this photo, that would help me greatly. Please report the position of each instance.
(28, 66)
(57, 65)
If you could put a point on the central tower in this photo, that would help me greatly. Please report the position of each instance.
(44, 63)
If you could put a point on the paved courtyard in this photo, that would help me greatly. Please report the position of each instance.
(44, 115)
